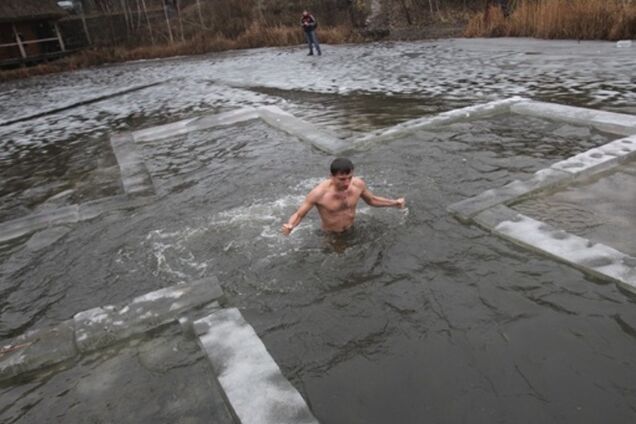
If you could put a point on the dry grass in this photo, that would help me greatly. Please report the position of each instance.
(254, 36)
(566, 19)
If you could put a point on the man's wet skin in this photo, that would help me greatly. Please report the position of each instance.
(336, 200)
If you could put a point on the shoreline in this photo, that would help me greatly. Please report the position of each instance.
(105, 56)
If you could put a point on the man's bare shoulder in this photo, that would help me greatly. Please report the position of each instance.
(359, 183)
(319, 191)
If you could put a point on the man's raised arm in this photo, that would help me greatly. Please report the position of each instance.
(379, 202)
(298, 216)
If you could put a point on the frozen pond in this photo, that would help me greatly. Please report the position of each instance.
(601, 210)
(414, 317)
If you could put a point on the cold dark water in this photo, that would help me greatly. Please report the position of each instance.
(414, 317)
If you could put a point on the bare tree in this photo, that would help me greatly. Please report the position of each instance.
(407, 13)
(177, 5)
(152, 38)
(200, 14)
(165, 13)
(122, 4)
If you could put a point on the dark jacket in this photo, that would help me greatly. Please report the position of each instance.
(308, 22)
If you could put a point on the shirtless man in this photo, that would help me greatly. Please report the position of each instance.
(336, 200)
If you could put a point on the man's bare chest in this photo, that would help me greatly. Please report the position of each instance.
(339, 201)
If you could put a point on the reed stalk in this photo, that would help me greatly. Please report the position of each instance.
(564, 19)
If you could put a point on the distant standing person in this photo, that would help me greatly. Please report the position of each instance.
(308, 22)
(336, 199)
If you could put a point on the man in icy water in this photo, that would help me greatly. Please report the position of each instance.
(336, 199)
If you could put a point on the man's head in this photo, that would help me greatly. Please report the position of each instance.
(305, 13)
(341, 173)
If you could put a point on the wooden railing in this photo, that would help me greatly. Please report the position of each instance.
(20, 43)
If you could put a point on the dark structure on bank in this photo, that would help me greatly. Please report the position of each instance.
(29, 31)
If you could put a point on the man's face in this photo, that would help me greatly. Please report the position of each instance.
(305, 13)
(342, 180)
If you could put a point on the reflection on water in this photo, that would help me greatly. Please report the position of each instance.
(358, 112)
(413, 316)
(36, 177)
(339, 242)
(126, 375)
(601, 210)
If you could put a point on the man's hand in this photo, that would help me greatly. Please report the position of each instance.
(399, 203)
(286, 229)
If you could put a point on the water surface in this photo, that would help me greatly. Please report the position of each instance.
(414, 317)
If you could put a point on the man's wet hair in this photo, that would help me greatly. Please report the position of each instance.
(341, 166)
